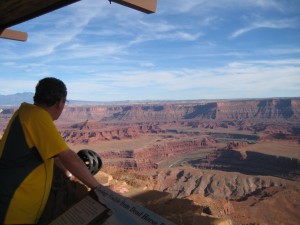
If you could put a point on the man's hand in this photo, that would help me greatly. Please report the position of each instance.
(71, 177)
(76, 167)
(118, 188)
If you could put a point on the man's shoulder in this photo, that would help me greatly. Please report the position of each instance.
(28, 110)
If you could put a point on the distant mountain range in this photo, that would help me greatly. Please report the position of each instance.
(16, 99)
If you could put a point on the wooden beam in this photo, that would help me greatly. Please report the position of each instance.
(13, 12)
(13, 35)
(146, 6)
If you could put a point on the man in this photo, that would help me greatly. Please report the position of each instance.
(29, 146)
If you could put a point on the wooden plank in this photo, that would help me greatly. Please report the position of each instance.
(146, 6)
(13, 12)
(13, 35)
(86, 211)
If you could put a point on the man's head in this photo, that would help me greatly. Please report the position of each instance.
(51, 94)
(49, 91)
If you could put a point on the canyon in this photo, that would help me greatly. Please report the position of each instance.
(222, 162)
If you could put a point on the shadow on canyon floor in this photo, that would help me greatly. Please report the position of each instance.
(250, 163)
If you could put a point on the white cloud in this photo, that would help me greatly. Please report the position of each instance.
(207, 6)
(256, 78)
(272, 24)
(10, 86)
(279, 51)
(147, 64)
(60, 27)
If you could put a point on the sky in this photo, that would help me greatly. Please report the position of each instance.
(187, 50)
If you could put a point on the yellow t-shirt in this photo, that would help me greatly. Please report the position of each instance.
(27, 148)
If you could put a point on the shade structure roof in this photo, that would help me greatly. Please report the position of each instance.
(13, 12)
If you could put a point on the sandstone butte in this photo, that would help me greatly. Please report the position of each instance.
(196, 162)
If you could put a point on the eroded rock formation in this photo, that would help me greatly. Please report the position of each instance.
(148, 158)
(238, 110)
(183, 182)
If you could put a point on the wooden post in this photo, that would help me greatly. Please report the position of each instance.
(146, 6)
(13, 35)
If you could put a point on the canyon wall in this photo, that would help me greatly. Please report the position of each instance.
(241, 110)
(250, 163)
(148, 158)
(247, 114)
(183, 182)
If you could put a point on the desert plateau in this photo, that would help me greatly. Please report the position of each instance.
(195, 162)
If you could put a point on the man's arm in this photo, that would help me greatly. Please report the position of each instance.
(68, 174)
(70, 160)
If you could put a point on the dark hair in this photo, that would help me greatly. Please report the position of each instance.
(48, 91)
